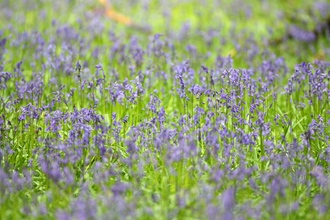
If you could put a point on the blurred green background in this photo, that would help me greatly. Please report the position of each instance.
(194, 21)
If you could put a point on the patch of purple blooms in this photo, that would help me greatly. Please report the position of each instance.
(141, 128)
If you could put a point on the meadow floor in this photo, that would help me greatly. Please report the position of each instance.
(164, 109)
